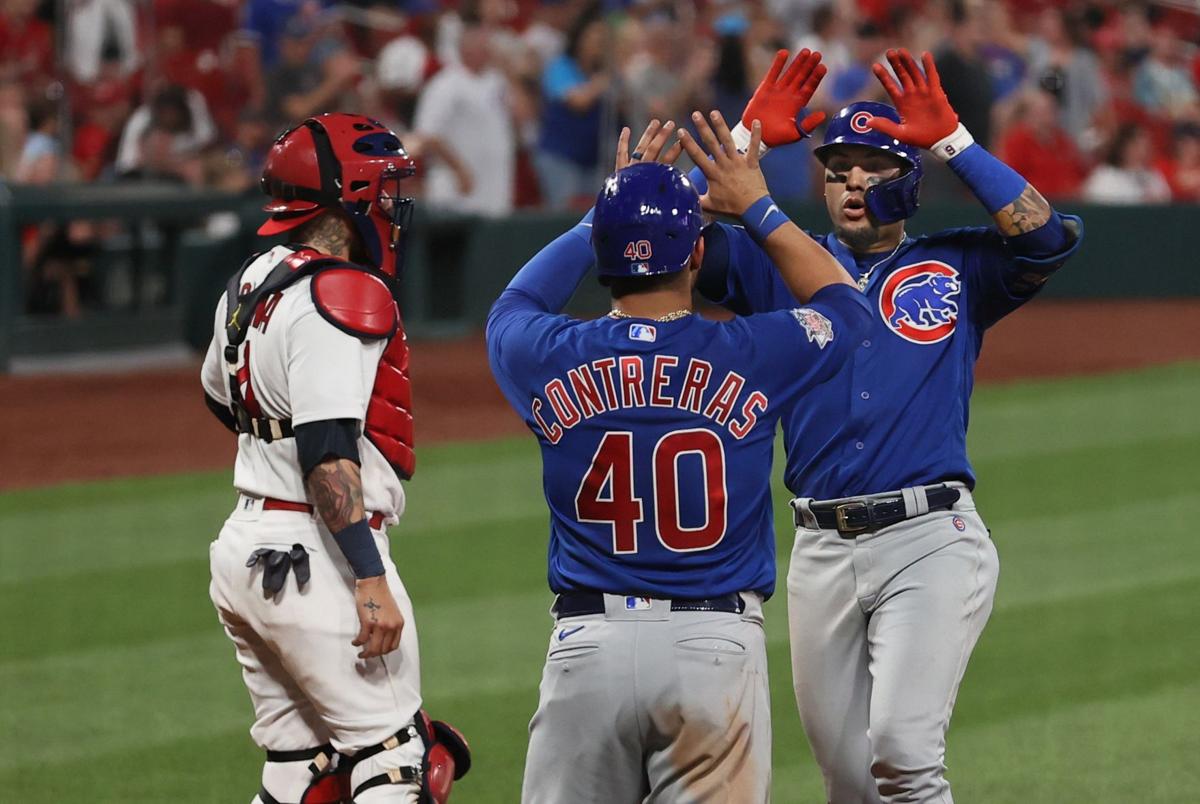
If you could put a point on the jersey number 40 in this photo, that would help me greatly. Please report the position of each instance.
(612, 466)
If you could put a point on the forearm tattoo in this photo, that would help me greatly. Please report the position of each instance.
(1030, 211)
(335, 488)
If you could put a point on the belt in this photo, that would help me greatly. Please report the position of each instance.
(272, 504)
(853, 516)
(579, 604)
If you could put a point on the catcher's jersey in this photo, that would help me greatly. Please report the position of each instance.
(295, 364)
(896, 416)
(656, 437)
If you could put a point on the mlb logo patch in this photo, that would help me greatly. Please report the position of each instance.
(642, 332)
(818, 328)
(637, 604)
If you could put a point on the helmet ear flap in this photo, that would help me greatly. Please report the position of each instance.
(895, 199)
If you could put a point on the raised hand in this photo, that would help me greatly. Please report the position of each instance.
(735, 181)
(782, 94)
(649, 147)
(925, 113)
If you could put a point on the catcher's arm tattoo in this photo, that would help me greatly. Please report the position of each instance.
(335, 489)
(1028, 212)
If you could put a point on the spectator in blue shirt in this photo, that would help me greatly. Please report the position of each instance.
(573, 86)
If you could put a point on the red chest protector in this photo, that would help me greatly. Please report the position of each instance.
(355, 299)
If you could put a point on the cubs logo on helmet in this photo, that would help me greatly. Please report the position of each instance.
(919, 302)
(859, 120)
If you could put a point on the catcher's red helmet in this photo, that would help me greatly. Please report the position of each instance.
(347, 162)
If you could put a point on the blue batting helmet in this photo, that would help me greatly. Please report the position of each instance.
(892, 200)
(647, 221)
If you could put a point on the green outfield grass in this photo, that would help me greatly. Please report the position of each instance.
(116, 683)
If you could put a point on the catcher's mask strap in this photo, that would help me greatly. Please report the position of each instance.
(327, 162)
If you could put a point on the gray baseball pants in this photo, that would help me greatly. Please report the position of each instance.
(653, 706)
(882, 626)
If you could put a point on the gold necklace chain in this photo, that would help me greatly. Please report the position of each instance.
(675, 316)
(865, 279)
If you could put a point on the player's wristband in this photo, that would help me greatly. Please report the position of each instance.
(994, 183)
(741, 138)
(951, 146)
(762, 218)
(357, 544)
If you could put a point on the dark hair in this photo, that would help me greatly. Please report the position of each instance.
(591, 13)
(40, 111)
(622, 286)
(822, 17)
(172, 97)
(1120, 141)
(730, 75)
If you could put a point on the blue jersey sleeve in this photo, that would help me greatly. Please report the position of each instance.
(525, 315)
(808, 344)
(1002, 280)
(739, 275)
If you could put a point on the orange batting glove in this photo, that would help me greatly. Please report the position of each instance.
(782, 96)
(925, 113)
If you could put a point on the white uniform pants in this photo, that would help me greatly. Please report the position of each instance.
(653, 705)
(306, 683)
(881, 628)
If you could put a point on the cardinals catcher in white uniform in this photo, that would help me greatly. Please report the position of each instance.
(309, 366)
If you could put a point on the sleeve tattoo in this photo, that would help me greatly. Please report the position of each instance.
(1028, 212)
(335, 489)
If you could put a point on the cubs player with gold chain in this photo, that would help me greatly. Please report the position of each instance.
(893, 573)
(656, 429)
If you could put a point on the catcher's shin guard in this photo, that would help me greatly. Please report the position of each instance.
(315, 775)
(446, 758)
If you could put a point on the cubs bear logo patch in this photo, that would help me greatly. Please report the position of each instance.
(920, 302)
(818, 328)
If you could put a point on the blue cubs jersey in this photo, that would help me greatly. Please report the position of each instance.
(897, 414)
(656, 437)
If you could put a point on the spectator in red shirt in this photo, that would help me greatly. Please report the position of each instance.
(1038, 148)
(26, 43)
(1183, 169)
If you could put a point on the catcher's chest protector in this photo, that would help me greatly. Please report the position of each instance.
(358, 301)
(389, 422)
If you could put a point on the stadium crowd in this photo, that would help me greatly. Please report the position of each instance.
(514, 103)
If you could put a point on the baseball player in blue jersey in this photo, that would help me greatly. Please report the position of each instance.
(892, 573)
(656, 430)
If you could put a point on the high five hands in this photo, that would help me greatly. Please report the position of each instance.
(782, 95)
(735, 181)
(650, 147)
(925, 113)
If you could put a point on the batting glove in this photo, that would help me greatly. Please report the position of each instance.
(927, 119)
(779, 102)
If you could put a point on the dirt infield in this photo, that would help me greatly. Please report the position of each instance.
(87, 426)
